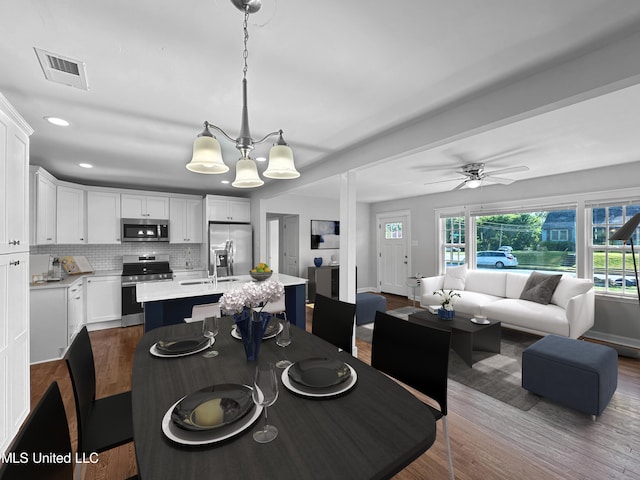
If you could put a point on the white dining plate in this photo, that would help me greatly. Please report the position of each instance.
(235, 334)
(188, 437)
(156, 353)
(319, 393)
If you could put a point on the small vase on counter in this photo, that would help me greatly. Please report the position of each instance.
(317, 261)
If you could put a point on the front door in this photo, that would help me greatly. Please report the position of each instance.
(393, 253)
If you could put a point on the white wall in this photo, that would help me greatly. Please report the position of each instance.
(311, 208)
(616, 319)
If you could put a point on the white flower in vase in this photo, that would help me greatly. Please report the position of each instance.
(447, 298)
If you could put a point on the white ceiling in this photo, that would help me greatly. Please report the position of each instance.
(331, 75)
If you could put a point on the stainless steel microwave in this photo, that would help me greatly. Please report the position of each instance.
(144, 230)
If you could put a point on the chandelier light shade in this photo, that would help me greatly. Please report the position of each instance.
(207, 154)
(207, 157)
(281, 164)
(247, 174)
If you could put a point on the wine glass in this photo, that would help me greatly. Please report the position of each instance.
(210, 328)
(265, 393)
(282, 340)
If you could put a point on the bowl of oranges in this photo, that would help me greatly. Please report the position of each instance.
(261, 272)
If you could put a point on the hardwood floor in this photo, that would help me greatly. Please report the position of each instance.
(489, 439)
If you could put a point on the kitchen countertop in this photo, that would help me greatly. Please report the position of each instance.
(69, 280)
(157, 291)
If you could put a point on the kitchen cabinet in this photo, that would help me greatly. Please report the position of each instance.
(15, 397)
(186, 222)
(45, 208)
(71, 215)
(145, 206)
(75, 309)
(103, 217)
(228, 209)
(104, 299)
(49, 338)
(14, 202)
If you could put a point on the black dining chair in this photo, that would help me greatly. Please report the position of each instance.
(45, 431)
(333, 321)
(103, 423)
(418, 356)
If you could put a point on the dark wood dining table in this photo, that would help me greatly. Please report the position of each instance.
(372, 431)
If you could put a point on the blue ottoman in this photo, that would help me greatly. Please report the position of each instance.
(578, 374)
(367, 304)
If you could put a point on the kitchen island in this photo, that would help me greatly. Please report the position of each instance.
(168, 303)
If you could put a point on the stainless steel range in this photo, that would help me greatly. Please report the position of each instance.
(139, 269)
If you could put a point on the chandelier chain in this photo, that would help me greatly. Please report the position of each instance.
(245, 53)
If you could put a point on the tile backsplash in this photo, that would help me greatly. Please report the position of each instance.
(109, 257)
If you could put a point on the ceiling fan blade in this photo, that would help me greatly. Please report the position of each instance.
(444, 181)
(501, 180)
(458, 187)
(520, 168)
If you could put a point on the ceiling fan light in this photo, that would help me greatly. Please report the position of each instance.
(474, 183)
(207, 156)
(247, 174)
(281, 165)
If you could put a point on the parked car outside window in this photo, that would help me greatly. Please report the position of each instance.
(496, 258)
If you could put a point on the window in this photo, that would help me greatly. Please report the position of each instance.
(454, 241)
(393, 231)
(613, 270)
(534, 240)
(558, 235)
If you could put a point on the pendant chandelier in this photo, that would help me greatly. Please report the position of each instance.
(207, 155)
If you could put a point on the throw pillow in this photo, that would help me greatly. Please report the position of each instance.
(455, 278)
(540, 287)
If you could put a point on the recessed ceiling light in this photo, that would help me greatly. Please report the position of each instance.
(261, 159)
(60, 122)
(85, 165)
(225, 181)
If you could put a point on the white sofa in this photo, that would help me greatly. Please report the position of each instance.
(496, 294)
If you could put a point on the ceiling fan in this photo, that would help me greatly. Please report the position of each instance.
(475, 175)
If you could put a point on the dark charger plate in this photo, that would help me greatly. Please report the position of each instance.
(178, 346)
(212, 407)
(319, 372)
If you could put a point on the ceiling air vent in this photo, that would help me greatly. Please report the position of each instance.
(61, 69)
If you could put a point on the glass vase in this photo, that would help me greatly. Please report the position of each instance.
(251, 325)
(445, 314)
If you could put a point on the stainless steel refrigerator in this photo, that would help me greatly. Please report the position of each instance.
(230, 249)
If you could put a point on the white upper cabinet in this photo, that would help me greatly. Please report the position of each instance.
(14, 183)
(228, 209)
(103, 217)
(14, 272)
(186, 221)
(45, 207)
(145, 206)
(71, 215)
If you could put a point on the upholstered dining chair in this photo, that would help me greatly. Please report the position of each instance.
(333, 321)
(418, 356)
(199, 312)
(103, 423)
(45, 431)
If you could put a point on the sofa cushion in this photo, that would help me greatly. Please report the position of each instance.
(568, 288)
(529, 315)
(483, 281)
(515, 284)
(468, 302)
(540, 287)
(455, 278)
